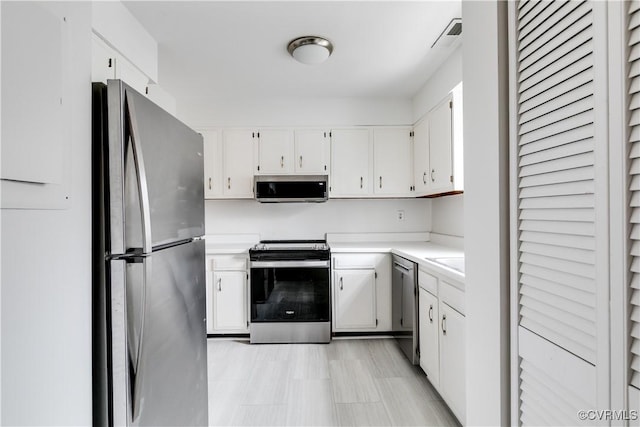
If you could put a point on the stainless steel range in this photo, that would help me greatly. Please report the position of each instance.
(290, 292)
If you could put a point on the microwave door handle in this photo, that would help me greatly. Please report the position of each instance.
(141, 176)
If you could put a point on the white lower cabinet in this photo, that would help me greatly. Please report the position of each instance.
(429, 333)
(442, 338)
(355, 299)
(361, 292)
(227, 295)
(452, 360)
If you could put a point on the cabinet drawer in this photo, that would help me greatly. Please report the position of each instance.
(356, 261)
(227, 262)
(452, 296)
(428, 282)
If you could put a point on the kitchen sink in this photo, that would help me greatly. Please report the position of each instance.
(455, 263)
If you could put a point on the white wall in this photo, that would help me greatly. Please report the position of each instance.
(447, 215)
(46, 276)
(207, 112)
(313, 220)
(486, 217)
(445, 78)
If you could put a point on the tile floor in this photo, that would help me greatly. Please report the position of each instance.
(356, 382)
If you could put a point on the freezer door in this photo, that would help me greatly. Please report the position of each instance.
(155, 169)
(159, 371)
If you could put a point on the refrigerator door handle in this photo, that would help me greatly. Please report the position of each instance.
(128, 346)
(145, 211)
(120, 373)
(138, 378)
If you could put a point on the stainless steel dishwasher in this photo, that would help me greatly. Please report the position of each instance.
(404, 298)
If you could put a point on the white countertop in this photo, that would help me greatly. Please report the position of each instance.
(413, 251)
(227, 248)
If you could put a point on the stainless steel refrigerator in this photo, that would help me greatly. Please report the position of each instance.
(149, 336)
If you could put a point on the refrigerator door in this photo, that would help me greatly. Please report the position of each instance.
(155, 170)
(159, 354)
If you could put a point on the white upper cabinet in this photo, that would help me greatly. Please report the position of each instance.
(311, 151)
(212, 164)
(351, 159)
(440, 147)
(392, 161)
(437, 148)
(275, 151)
(237, 155)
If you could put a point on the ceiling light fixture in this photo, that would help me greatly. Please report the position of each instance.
(310, 50)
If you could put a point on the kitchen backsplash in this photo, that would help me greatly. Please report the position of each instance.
(313, 220)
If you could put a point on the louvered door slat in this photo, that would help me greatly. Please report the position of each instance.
(578, 242)
(561, 278)
(563, 189)
(537, 14)
(571, 294)
(581, 135)
(572, 159)
(634, 190)
(558, 127)
(560, 252)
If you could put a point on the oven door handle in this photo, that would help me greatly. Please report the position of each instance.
(289, 264)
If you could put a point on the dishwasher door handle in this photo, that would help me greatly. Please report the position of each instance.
(402, 267)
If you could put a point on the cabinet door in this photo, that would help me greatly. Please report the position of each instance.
(212, 165)
(355, 299)
(421, 178)
(237, 154)
(350, 163)
(440, 144)
(452, 360)
(311, 151)
(392, 165)
(103, 61)
(209, 309)
(275, 152)
(230, 301)
(429, 347)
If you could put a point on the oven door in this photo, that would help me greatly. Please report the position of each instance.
(290, 291)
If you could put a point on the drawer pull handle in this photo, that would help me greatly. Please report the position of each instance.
(361, 182)
(300, 161)
(220, 284)
(341, 287)
(431, 313)
(281, 161)
(229, 183)
(209, 183)
(380, 182)
(424, 178)
(432, 178)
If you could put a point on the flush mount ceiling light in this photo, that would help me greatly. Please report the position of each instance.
(310, 50)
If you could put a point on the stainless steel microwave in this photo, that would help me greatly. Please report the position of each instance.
(291, 188)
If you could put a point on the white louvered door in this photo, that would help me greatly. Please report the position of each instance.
(557, 226)
(634, 188)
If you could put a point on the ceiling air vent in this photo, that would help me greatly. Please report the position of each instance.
(450, 34)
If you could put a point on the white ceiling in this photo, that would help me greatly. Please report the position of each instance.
(237, 49)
